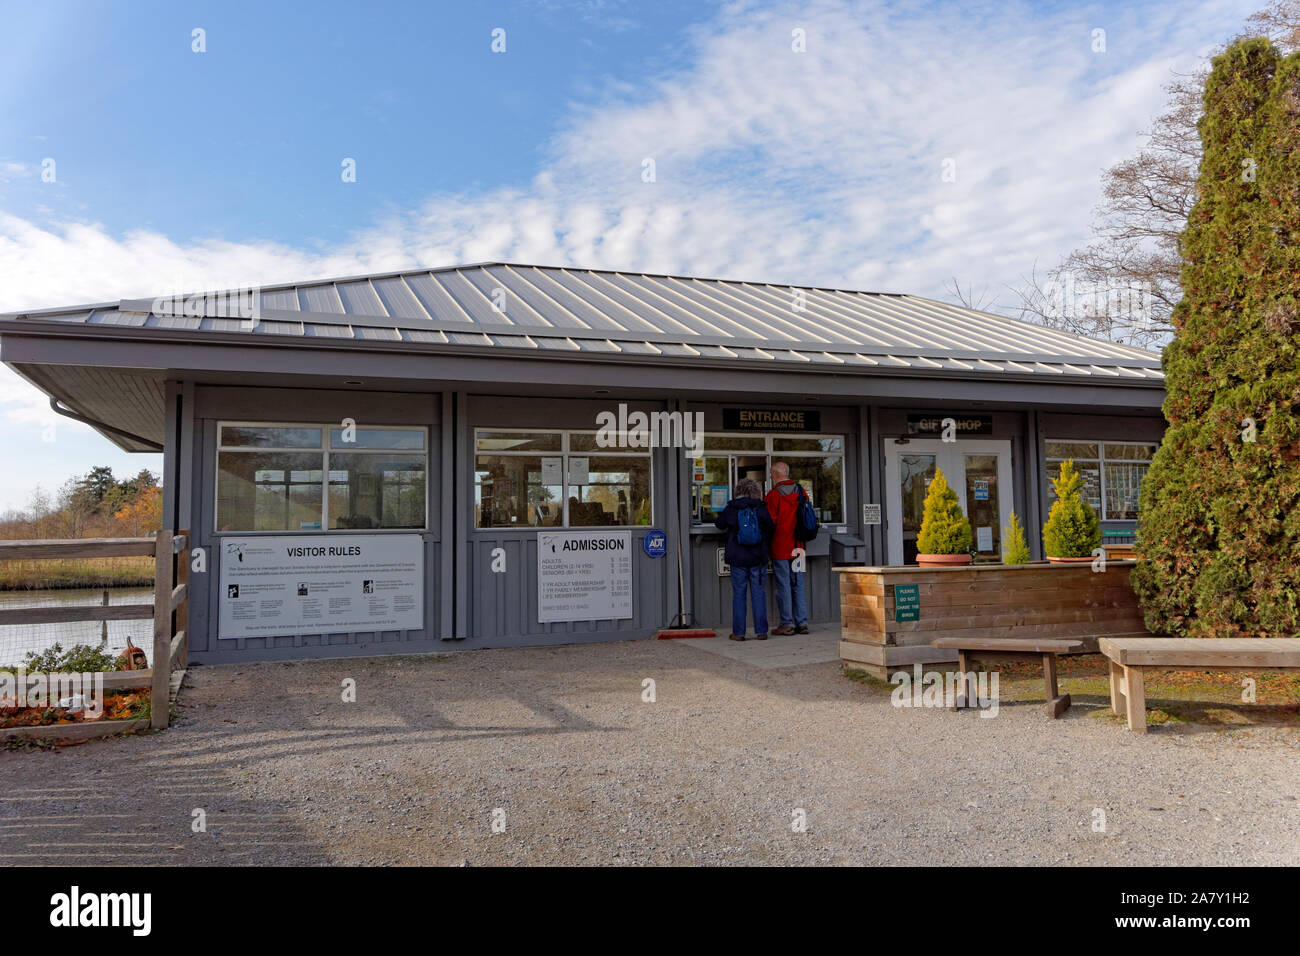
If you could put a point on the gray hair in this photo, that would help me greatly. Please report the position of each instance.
(781, 468)
(748, 488)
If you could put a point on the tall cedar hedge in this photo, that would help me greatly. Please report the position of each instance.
(1220, 515)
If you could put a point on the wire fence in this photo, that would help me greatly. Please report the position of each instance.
(19, 640)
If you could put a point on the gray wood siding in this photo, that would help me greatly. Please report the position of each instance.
(211, 405)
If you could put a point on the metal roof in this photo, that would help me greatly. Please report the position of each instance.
(638, 317)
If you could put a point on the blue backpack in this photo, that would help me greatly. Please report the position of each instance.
(747, 530)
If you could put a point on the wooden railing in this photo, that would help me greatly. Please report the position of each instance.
(169, 611)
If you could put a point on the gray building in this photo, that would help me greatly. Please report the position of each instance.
(422, 460)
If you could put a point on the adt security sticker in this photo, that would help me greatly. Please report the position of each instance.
(655, 543)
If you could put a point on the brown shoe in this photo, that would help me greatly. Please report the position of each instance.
(801, 629)
(783, 630)
(760, 637)
(736, 637)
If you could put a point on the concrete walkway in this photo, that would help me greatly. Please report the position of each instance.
(820, 645)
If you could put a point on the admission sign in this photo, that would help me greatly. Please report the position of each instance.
(584, 576)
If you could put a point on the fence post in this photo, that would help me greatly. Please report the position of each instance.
(103, 630)
(183, 609)
(162, 630)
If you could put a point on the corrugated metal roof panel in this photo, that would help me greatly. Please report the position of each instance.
(280, 299)
(320, 298)
(178, 322)
(657, 315)
(427, 336)
(226, 325)
(81, 317)
(129, 319)
(398, 299)
(360, 298)
(596, 345)
(321, 331)
(270, 327)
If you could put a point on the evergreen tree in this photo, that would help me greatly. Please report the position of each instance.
(1014, 548)
(1220, 506)
(1072, 529)
(944, 526)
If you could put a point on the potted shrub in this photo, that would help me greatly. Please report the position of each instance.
(945, 536)
(1016, 549)
(1072, 531)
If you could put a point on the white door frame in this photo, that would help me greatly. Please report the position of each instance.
(948, 456)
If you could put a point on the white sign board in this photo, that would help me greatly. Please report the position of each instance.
(584, 576)
(871, 514)
(983, 539)
(316, 584)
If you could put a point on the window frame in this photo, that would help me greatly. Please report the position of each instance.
(714, 446)
(326, 428)
(564, 452)
(1101, 461)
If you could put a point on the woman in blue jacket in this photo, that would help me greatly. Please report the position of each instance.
(749, 530)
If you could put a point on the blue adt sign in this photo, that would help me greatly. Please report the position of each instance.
(655, 543)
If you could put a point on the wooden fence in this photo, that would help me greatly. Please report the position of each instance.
(169, 611)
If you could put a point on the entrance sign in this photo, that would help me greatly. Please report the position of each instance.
(907, 602)
(871, 514)
(584, 576)
(277, 585)
(772, 419)
(966, 424)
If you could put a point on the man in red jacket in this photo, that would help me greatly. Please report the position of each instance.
(783, 505)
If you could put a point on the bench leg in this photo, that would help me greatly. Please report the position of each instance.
(1057, 703)
(963, 665)
(1116, 687)
(1135, 696)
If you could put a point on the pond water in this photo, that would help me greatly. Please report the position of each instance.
(16, 640)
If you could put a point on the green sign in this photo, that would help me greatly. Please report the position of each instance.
(907, 602)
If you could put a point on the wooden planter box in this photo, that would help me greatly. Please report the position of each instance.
(993, 600)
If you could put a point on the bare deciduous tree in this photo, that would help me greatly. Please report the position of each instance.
(1123, 285)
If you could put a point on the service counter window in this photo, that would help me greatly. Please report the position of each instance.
(560, 479)
(1112, 474)
(273, 477)
(816, 463)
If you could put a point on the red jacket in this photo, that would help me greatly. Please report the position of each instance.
(783, 507)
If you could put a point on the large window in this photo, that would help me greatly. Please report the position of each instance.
(1112, 474)
(273, 477)
(557, 479)
(816, 463)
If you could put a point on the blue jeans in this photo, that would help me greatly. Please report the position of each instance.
(789, 590)
(753, 580)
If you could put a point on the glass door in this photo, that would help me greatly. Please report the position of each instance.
(979, 470)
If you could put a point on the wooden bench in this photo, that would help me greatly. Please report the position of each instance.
(971, 649)
(1131, 657)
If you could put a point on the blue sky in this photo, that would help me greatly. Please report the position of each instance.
(176, 168)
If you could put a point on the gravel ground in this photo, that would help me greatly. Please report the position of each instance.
(586, 772)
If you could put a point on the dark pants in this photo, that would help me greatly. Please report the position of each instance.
(753, 580)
